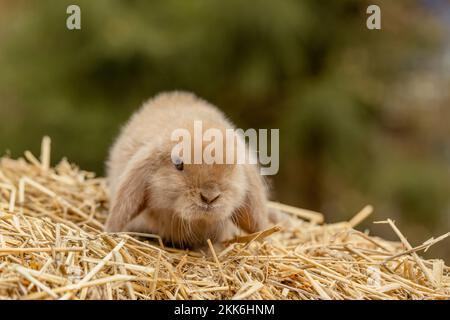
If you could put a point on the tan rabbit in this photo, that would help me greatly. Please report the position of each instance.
(185, 204)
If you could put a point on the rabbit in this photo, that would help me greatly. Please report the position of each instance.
(185, 204)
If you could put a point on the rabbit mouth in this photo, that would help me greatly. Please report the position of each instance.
(210, 212)
(208, 207)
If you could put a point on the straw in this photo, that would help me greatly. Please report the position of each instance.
(52, 246)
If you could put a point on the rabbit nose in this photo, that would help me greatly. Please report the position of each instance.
(209, 197)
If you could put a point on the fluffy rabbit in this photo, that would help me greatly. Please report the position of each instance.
(185, 204)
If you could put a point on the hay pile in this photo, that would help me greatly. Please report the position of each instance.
(52, 247)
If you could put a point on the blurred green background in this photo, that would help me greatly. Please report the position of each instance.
(363, 115)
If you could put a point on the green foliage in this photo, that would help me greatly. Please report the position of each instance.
(310, 68)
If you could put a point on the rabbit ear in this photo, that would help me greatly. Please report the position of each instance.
(131, 194)
(252, 215)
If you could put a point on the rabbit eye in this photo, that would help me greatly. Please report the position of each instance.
(179, 164)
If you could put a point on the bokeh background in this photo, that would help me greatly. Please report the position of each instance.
(364, 116)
